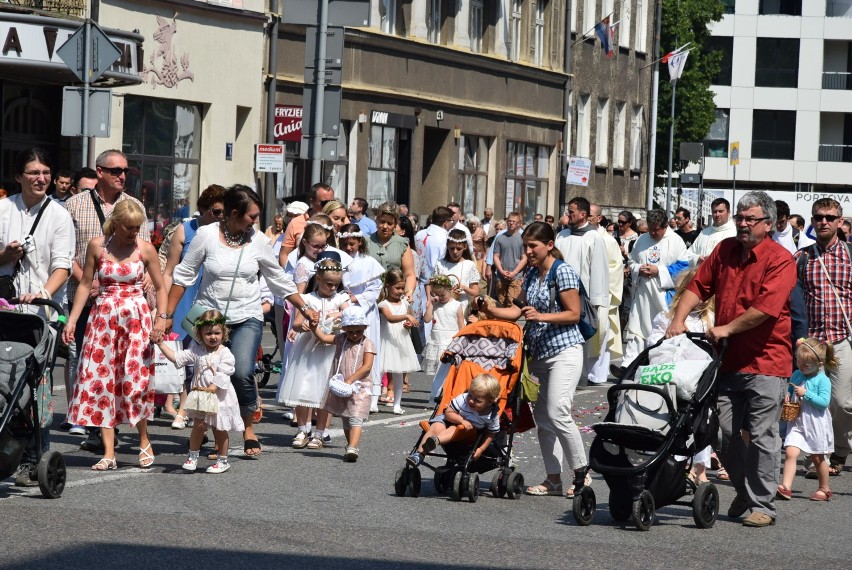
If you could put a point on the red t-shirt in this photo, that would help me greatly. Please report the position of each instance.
(763, 281)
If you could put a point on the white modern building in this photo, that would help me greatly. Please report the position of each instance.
(782, 94)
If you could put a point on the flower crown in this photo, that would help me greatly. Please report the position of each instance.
(209, 322)
(441, 280)
(457, 240)
(344, 235)
(320, 224)
(333, 267)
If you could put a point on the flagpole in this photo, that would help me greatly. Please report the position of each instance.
(585, 35)
(671, 150)
(655, 88)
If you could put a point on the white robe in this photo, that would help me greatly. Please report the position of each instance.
(707, 241)
(608, 341)
(361, 270)
(431, 245)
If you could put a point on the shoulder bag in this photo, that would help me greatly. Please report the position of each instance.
(7, 282)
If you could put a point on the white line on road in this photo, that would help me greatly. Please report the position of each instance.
(385, 421)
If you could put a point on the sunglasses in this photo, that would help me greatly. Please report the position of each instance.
(622, 222)
(115, 171)
(825, 217)
(217, 211)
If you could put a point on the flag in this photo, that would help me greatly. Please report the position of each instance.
(607, 35)
(676, 61)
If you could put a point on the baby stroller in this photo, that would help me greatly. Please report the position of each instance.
(27, 352)
(644, 446)
(485, 346)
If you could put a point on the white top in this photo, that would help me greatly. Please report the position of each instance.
(466, 272)
(785, 238)
(53, 238)
(708, 239)
(220, 263)
(431, 246)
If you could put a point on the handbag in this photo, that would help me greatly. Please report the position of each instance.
(202, 401)
(197, 309)
(337, 384)
(529, 385)
(168, 378)
(7, 282)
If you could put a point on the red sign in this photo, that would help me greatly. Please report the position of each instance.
(288, 123)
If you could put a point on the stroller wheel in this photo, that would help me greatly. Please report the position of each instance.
(473, 487)
(400, 483)
(51, 475)
(498, 484)
(705, 505)
(442, 479)
(584, 506)
(515, 485)
(414, 482)
(459, 487)
(643, 511)
(619, 507)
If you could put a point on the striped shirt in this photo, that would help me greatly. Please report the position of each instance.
(825, 317)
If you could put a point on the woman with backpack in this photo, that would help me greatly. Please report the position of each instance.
(554, 345)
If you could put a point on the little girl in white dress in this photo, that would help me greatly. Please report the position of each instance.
(396, 353)
(447, 318)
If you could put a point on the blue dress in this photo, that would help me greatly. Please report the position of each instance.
(189, 229)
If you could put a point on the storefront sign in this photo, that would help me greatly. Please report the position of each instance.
(288, 123)
(393, 119)
(269, 158)
(578, 171)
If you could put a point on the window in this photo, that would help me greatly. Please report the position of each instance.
(619, 135)
(527, 173)
(381, 170)
(162, 141)
(780, 7)
(583, 125)
(777, 62)
(716, 141)
(602, 133)
(433, 21)
(473, 172)
(773, 134)
(387, 12)
(622, 30)
(730, 6)
(589, 15)
(641, 18)
(537, 46)
(636, 138)
(515, 31)
(724, 44)
(476, 27)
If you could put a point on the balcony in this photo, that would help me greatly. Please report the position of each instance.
(76, 8)
(835, 153)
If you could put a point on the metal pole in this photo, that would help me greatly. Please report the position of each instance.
(87, 62)
(671, 150)
(316, 141)
(655, 88)
(272, 88)
(566, 113)
(734, 189)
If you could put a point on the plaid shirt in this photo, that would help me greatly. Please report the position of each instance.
(546, 340)
(87, 226)
(825, 317)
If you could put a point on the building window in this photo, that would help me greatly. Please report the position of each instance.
(724, 44)
(515, 31)
(526, 179)
(476, 26)
(777, 62)
(162, 141)
(773, 134)
(730, 6)
(622, 31)
(602, 133)
(433, 21)
(589, 14)
(716, 142)
(641, 36)
(381, 171)
(387, 12)
(780, 8)
(619, 135)
(583, 125)
(473, 172)
(636, 138)
(537, 45)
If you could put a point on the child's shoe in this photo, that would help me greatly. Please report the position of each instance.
(191, 463)
(414, 460)
(315, 443)
(783, 492)
(351, 455)
(220, 466)
(430, 444)
(301, 440)
(398, 411)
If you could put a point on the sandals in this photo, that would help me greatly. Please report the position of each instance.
(545, 489)
(783, 492)
(586, 483)
(105, 464)
(821, 495)
(179, 422)
(249, 445)
(722, 474)
(146, 456)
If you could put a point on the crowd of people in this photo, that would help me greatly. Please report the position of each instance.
(364, 297)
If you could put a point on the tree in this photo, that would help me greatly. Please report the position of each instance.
(687, 21)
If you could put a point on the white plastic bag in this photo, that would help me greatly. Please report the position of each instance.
(168, 378)
(677, 360)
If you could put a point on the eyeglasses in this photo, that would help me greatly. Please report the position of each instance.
(115, 171)
(825, 217)
(749, 221)
(37, 173)
(319, 247)
(217, 211)
(622, 222)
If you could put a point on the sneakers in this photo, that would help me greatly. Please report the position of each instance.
(191, 463)
(758, 519)
(374, 409)
(326, 439)
(351, 455)
(414, 460)
(738, 507)
(24, 475)
(77, 430)
(301, 440)
(219, 467)
(315, 443)
(398, 411)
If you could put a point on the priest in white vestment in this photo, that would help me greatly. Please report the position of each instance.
(723, 227)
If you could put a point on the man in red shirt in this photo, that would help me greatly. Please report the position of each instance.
(752, 278)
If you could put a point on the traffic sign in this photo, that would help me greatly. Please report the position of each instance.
(340, 12)
(734, 153)
(104, 53)
(99, 112)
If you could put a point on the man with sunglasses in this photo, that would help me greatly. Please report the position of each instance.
(86, 209)
(722, 228)
(751, 277)
(825, 272)
(319, 194)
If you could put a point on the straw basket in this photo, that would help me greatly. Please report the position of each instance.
(456, 283)
(790, 411)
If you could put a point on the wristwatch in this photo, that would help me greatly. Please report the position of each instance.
(166, 316)
(303, 309)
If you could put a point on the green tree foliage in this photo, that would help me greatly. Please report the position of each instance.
(687, 21)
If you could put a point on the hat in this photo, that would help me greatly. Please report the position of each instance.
(329, 254)
(354, 316)
(297, 208)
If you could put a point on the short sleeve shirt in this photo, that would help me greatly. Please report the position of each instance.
(545, 340)
(488, 419)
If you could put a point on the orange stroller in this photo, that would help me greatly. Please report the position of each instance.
(489, 346)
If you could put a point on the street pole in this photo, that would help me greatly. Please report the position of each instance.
(566, 113)
(734, 189)
(671, 150)
(87, 63)
(655, 92)
(316, 141)
(271, 93)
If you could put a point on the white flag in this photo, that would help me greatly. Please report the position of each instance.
(676, 62)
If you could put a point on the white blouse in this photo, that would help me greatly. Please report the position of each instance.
(220, 263)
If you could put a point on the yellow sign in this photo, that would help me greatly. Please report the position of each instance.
(734, 153)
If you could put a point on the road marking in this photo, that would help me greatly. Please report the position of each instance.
(129, 473)
(412, 417)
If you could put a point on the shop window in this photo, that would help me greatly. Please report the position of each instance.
(777, 62)
(30, 117)
(381, 172)
(527, 173)
(473, 173)
(724, 44)
(773, 134)
(716, 142)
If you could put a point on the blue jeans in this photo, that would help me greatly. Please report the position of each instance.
(244, 341)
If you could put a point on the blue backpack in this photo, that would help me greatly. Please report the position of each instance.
(588, 313)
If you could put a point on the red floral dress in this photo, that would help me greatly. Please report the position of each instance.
(116, 358)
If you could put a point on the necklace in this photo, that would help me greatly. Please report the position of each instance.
(232, 240)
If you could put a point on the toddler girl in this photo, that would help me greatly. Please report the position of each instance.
(354, 354)
(397, 353)
(214, 365)
(812, 431)
(447, 317)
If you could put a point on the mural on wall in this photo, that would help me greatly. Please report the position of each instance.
(163, 64)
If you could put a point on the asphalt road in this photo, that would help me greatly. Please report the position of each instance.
(308, 509)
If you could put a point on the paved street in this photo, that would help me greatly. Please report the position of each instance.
(308, 509)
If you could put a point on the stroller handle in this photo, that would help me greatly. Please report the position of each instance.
(722, 344)
(60, 310)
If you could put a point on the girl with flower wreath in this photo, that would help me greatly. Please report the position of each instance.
(447, 317)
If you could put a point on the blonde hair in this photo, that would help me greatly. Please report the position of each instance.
(211, 318)
(706, 310)
(485, 385)
(822, 351)
(125, 212)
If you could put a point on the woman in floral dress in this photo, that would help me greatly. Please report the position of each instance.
(113, 379)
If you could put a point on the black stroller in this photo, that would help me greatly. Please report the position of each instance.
(646, 467)
(27, 352)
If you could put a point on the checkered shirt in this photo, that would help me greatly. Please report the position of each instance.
(87, 225)
(545, 340)
(825, 318)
